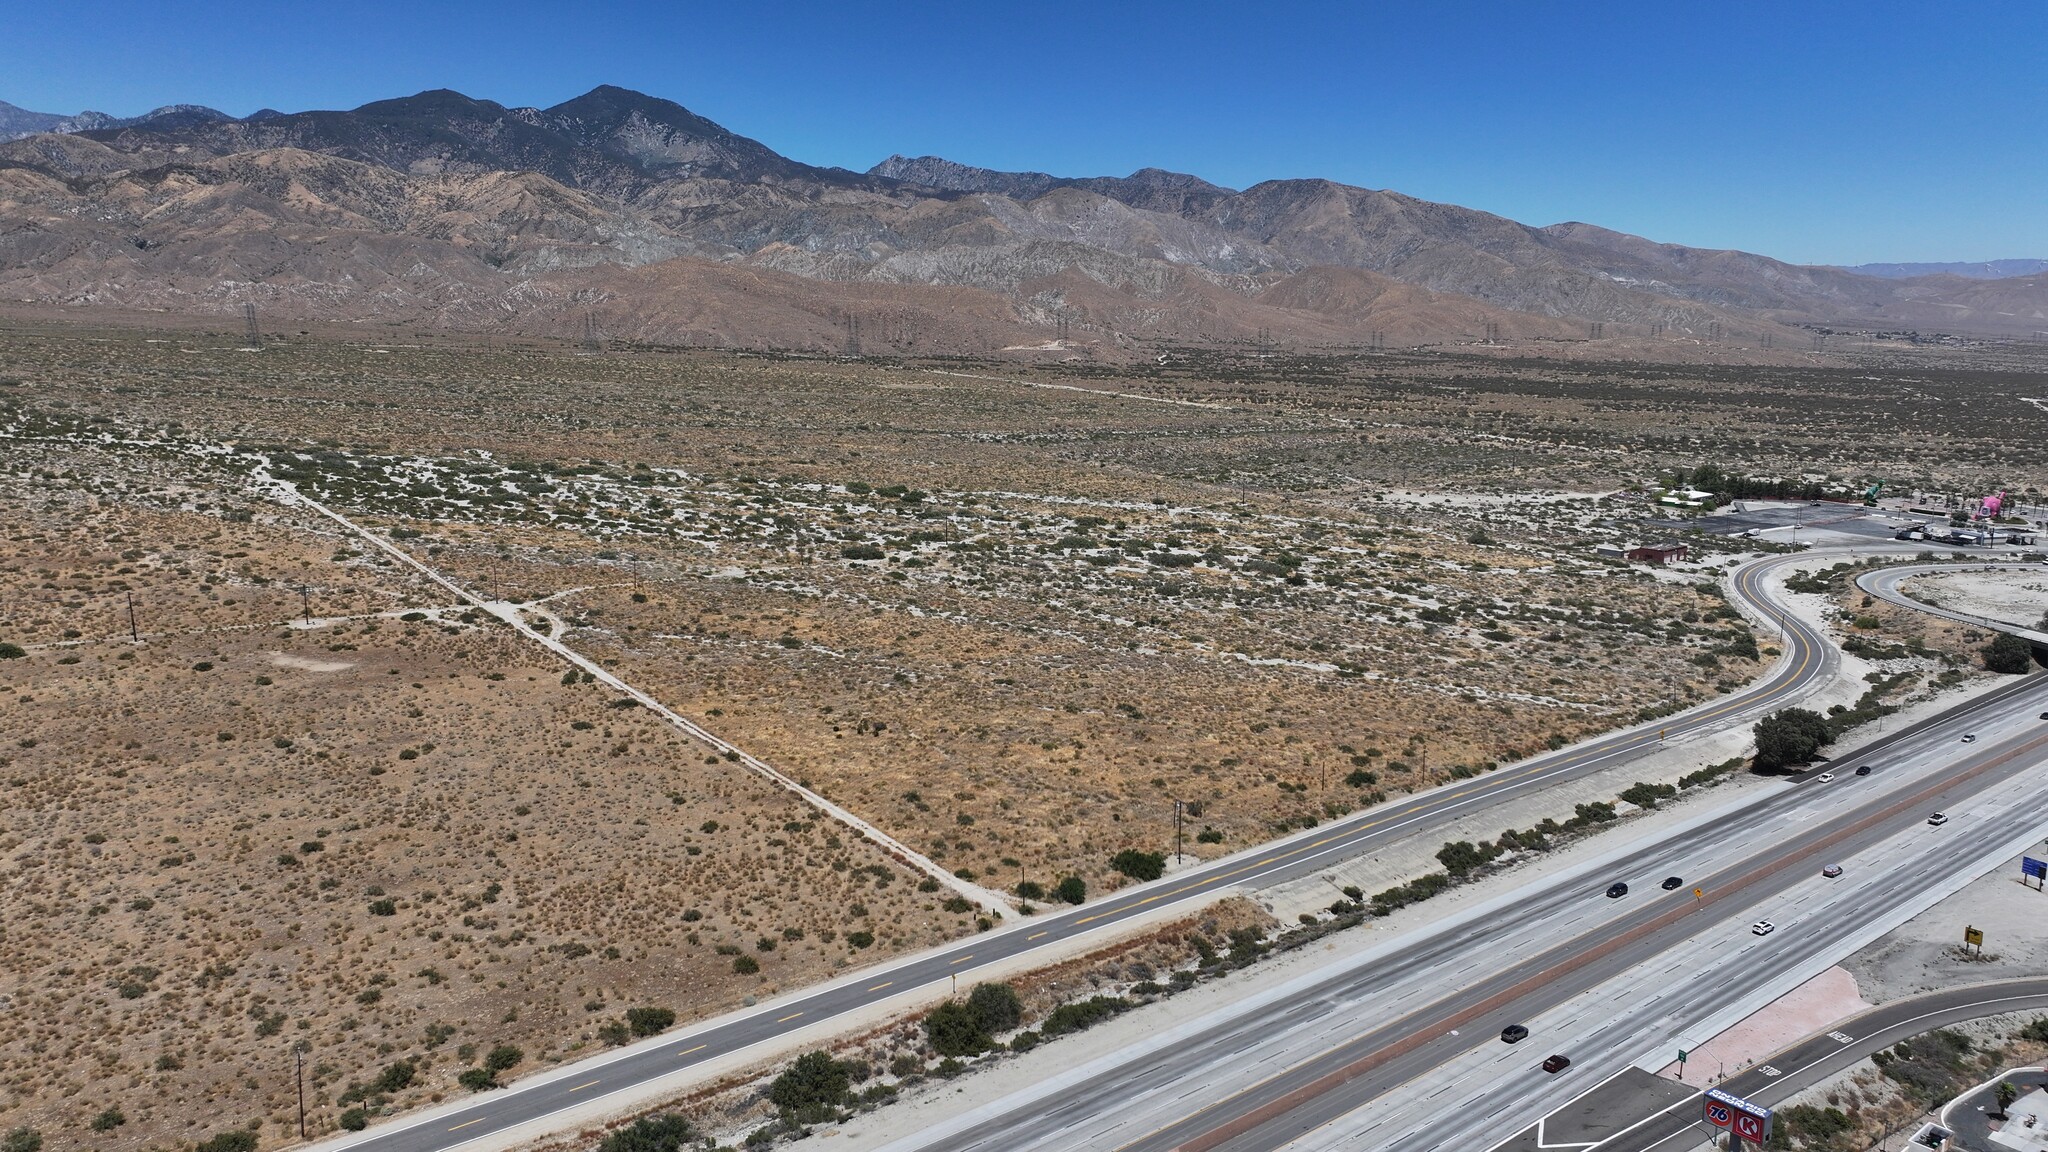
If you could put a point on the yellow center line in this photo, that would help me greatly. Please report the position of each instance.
(582, 1086)
(1036, 935)
(788, 1018)
(698, 1048)
(466, 1123)
(882, 985)
(963, 959)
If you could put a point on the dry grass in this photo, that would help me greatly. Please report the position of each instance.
(1073, 611)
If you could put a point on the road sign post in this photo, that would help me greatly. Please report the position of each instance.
(1681, 1063)
(2037, 869)
(1974, 938)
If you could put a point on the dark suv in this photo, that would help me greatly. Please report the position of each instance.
(1557, 1063)
(1513, 1034)
(1617, 890)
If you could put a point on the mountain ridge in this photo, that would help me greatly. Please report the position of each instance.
(619, 179)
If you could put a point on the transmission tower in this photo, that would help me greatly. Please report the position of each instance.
(1379, 339)
(1820, 341)
(1765, 340)
(1714, 331)
(1596, 330)
(250, 332)
(590, 341)
(1493, 331)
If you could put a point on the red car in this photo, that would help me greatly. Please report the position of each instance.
(1557, 1063)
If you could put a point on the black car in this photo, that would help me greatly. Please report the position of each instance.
(1671, 882)
(1513, 1034)
(1864, 769)
(1617, 890)
(1557, 1063)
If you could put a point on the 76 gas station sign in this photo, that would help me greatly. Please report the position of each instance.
(1733, 1114)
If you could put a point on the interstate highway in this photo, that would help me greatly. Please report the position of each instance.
(1404, 1020)
(1807, 660)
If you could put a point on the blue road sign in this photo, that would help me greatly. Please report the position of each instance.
(2038, 869)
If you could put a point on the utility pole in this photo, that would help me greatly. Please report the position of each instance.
(306, 603)
(299, 1059)
(1177, 806)
(134, 634)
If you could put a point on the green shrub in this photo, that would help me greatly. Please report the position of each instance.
(1030, 890)
(954, 1029)
(745, 965)
(354, 1120)
(1647, 795)
(650, 1134)
(12, 651)
(1137, 865)
(108, 1120)
(234, 1140)
(814, 1078)
(2009, 654)
(648, 1021)
(1082, 1014)
(477, 1079)
(995, 1007)
(1072, 890)
(396, 1077)
(1790, 736)
(503, 1057)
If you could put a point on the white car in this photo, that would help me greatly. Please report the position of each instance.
(1938, 819)
(1970, 738)
(1825, 777)
(1763, 928)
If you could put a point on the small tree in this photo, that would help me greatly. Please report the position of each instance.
(995, 1007)
(2007, 1093)
(234, 1140)
(2009, 654)
(648, 1021)
(954, 1029)
(12, 651)
(396, 1077)
(815, 1078)
(650, 1134)
(1790, 736)
(1073, 890)
(1139, 865)
(503, 1057)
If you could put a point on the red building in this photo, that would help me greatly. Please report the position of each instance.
(1663, 553)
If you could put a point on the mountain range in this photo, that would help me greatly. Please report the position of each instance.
(664, 226)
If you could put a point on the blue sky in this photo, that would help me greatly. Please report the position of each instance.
(1812, 131)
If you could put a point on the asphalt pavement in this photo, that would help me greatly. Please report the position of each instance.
(1814, 1059)
(1295, 1064)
